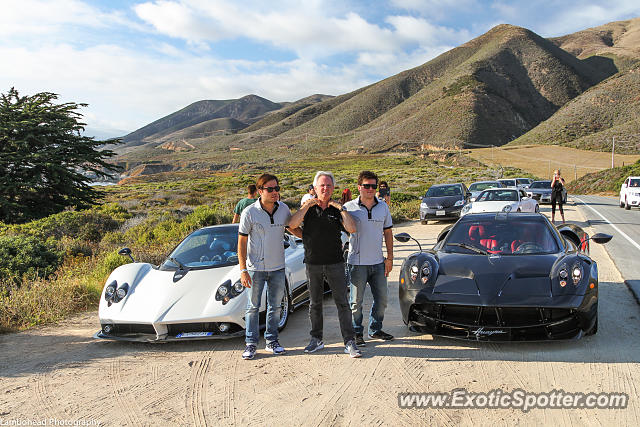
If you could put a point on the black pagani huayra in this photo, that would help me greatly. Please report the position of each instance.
(503, 277)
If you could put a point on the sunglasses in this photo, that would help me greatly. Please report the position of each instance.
(370, 186)
(272, 189)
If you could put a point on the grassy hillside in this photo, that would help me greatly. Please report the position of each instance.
(542, 160)
(612, 47)
(246, 109)
(490, 90)
(606, 181)
(591, 120)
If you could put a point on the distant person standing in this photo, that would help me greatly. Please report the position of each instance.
(557, 185)
(311, 193)
(323, 221)
(243, 203)
(384, 192)
(365, 261)
(346, 196)
(261, 260)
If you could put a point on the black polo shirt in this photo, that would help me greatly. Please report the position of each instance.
(321, 236)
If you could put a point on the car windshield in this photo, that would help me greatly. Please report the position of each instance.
(508, 182)
(511, 236)
(634, 183)
(479, 186)
(498, 196)
(207, 247)
(522, 181)
(541, 184)
(443, 191)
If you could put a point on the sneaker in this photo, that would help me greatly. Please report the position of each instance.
(274, 347)
(381, 335)
(352, 349)
(249, 352)
(360, 341)
(314, 345)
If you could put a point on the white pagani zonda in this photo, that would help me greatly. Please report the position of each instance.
(194, 294)
(502, 200)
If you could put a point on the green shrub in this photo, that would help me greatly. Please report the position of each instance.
(28, 256)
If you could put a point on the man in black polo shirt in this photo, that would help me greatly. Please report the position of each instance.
(323, 220)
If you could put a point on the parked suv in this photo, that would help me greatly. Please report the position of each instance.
(630, 192)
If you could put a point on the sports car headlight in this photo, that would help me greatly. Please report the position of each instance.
(507, 209)
(110, 290)
(563, 273)
(423, 205)
(459, 203)
(223, 290)
(413, 272)
(237, 288)
(576, 274)
(425, 272)
(121, 292)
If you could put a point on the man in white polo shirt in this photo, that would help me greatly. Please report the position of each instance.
(261, 259)
(365, 261)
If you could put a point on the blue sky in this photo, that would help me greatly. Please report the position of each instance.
(136, 61)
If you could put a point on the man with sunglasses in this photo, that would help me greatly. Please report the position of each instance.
(365, 261)
(261, 259)
(323, 221)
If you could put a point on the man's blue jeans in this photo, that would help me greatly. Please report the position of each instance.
(360, 275)
(275, 283)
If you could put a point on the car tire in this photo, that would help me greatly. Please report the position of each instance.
(424, 222)
(537, 209)
(627, 206)
(286, 309)
(621, 203)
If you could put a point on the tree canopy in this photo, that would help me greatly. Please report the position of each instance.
(44, 157)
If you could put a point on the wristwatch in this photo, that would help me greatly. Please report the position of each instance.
(343, 208)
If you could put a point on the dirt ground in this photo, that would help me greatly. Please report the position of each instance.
(60, 372)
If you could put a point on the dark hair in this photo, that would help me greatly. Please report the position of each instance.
(384, 183)
(251, 188)
(367, 175)
(264, 178)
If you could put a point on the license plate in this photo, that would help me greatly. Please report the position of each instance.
(440, 213)
(194, 334)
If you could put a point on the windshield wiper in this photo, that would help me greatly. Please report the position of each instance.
(471, 248)
(178, 263)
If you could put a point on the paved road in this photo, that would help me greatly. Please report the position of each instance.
(606, 216)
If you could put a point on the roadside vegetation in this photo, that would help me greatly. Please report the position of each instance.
(607, 181)
(57, 265)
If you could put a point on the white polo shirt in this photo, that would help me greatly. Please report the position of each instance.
(265, 248)
(365, 245)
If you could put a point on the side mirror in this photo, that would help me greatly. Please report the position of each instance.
(126, 252)
(601, 238)
(286, 244)
(405, 237)
(402, 237)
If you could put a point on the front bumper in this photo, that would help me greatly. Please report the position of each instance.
(444, 213)
(167, 332)
(633, 200)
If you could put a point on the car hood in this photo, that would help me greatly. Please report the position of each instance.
(539, 190)
(154, 297)
(491, 206)
(493, 278)
(441, 202)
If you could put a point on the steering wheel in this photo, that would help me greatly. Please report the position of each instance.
(528, 247)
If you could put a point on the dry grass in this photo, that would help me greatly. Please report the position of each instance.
(542, 160)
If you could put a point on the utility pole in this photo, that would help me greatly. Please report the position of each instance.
(613, 148)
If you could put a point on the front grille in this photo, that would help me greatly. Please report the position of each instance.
(177, 328)
(511, 317)
(129, 328)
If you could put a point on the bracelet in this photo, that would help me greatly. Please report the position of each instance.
(244, 270)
